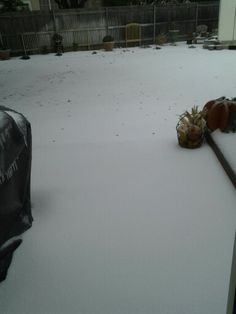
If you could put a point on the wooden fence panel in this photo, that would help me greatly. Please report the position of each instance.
(208, 14)
(22, 23)
(86, 28)
(133, 14)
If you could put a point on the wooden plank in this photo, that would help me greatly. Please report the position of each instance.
(225, 164)
(96, 20)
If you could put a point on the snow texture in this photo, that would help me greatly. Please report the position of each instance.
(126, 221)
(227, 144)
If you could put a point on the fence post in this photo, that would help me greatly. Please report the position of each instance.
(88, 39)
(154, 24)
(49, 5)
(1, 40)
(196, 22)
(107, 27)
(54, 20)
(169, 15)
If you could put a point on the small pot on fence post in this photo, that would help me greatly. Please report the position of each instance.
(108, 43)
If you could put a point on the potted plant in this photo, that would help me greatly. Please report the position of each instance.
(4, 53)
(44, 50)
(191, 128)
(75, 46)
(108, 43)
(189, 40)
(58, 46)
(173, 34)
(161, 39)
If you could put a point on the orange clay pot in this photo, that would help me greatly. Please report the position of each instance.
(218, 113)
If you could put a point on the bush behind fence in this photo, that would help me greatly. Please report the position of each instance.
(85, 29)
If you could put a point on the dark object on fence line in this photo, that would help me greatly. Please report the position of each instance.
(189, 39)
(4, 51)
(25, 55)
(228, 169)
(15, 173)
(173, 35)
(75, 46)
(108, 43)
(58, 46)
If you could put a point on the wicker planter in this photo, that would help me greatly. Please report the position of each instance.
(5, 54)
(108, 46)
(187, 139)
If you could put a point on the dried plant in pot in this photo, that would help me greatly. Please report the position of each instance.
(191, 128)
(4, 51)
(161, 39)
(108, 43)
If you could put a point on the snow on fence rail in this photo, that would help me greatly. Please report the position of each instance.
(86, 28)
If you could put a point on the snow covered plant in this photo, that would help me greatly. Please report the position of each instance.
(191, 127)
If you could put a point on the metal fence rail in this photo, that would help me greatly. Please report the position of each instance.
(86, 28)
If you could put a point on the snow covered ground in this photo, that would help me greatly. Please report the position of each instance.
(227, 142)
(126, 222)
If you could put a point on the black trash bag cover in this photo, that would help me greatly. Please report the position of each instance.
(15, 173)
(6, 255)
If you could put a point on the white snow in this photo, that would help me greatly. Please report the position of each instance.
(226, 142)
(126, 221)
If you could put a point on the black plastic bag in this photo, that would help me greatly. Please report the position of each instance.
(15, 173)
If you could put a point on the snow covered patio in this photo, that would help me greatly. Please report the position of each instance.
(125, 221)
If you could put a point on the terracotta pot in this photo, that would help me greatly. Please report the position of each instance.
(218, 114)
(5, 54)
(109, 45)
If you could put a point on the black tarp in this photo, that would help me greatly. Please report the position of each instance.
(15, 173)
